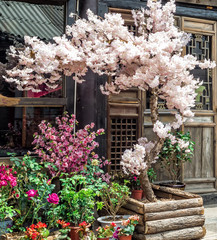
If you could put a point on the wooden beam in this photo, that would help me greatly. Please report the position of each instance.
(212, 3)
(29, 102)
(170, 224)
(181, 234)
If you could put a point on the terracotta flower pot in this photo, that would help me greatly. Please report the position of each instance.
(73, 234)
(124, 237)
(102, 238)
(137, 194)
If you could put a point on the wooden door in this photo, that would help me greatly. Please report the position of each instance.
(200, 174)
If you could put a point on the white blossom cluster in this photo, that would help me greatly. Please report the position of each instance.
(133, 160)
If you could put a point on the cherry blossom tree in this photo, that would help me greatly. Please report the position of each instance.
(151, 61)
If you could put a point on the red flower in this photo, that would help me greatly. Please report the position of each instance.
(40, 225)
(83, 224)
(63, 223)
(113, 224)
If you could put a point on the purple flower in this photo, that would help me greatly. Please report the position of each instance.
(53, 198)
(32, 193)
(115, 235)
(9, 226)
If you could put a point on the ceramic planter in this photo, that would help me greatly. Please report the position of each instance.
(176, 185)
(137, 194)
(73, 234)
(4, 225)
(124, 237)
(102, 238)
(103, 220)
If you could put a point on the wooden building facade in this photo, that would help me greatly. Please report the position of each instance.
(127, 116)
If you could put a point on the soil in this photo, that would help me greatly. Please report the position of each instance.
(116, 219)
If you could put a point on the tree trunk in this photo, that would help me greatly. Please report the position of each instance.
(146, 186)
(144, 180)
(153, 105)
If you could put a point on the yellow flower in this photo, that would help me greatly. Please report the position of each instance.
(95, 162)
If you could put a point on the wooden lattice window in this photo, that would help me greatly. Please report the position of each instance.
(124, 135)
(200, 46)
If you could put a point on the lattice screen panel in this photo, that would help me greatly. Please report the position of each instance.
(124, 135)
(200, 46)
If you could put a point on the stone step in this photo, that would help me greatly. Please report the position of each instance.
(211, 222)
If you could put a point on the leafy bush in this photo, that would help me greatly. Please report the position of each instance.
(77, 200)
(113, 198)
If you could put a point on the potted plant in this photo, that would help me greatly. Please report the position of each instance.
(106, 232)
(136, 191)
(8, 182)
(127, 228)
(37, 231)
(77, 202)
(64, 230)
(85, 233)
(175, 152)
(113, 197)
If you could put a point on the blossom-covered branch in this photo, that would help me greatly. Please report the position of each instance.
(68, 151)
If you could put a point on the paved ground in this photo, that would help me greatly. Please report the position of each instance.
(211, 222)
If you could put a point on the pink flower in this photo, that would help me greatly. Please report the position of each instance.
(101, 130)
(3, 183)
(53, 198)
(13, 183)
(70, 150)
(135, 178)
(32, 193)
